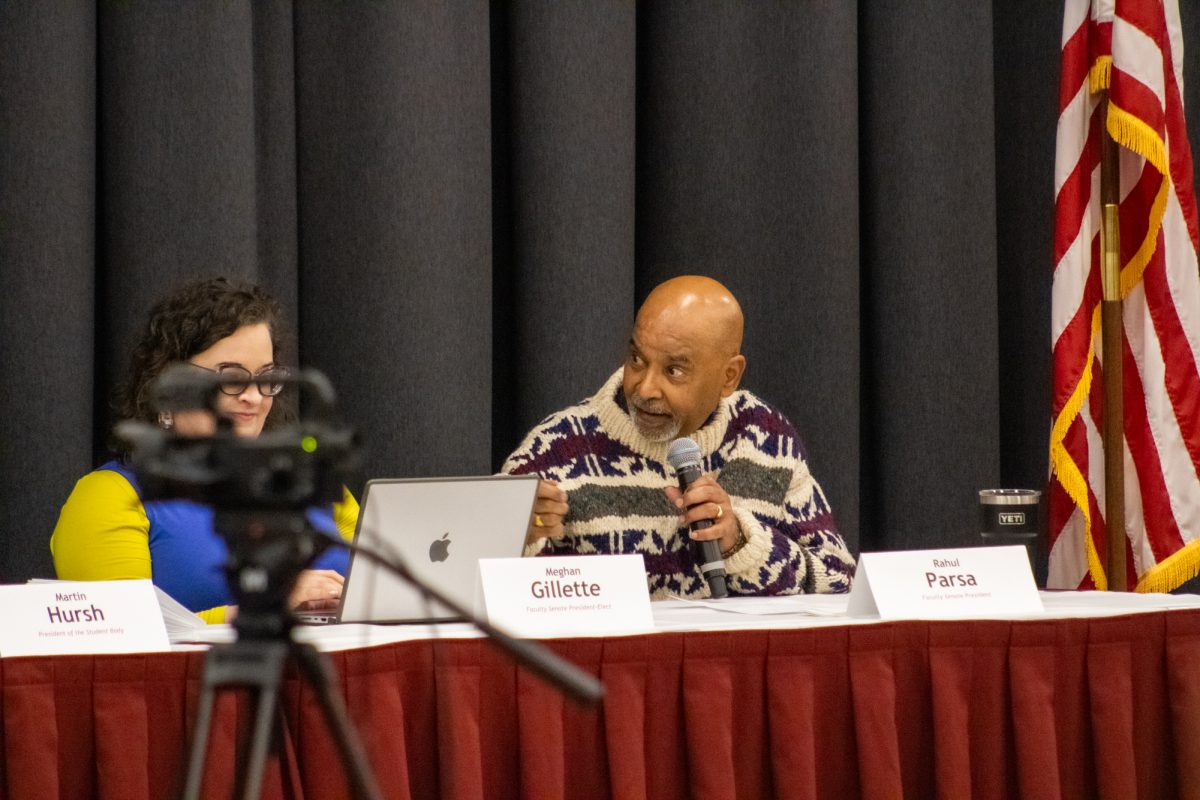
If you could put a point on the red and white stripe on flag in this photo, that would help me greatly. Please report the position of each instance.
(1134, 49)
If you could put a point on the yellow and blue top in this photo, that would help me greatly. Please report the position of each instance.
(106, 532)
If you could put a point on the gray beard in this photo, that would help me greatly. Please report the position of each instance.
(658, 433)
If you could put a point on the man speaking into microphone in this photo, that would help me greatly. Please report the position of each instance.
(609, 488)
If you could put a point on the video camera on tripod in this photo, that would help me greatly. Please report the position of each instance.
(260, 488)
(287, 469)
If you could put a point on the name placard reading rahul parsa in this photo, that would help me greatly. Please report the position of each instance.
(945, 584)
(566, 595)
(68, 617)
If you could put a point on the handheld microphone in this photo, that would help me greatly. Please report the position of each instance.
(684, 457)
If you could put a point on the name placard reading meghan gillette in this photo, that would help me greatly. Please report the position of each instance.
(70, 617)
(566, 595)
(944, 584)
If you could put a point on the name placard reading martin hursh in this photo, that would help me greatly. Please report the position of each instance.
(81, 617)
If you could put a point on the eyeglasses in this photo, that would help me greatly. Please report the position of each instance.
(236, 379)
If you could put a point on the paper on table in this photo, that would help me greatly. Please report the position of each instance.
(346, 636)
(181, 624)
(814, 605)
(1091, 603)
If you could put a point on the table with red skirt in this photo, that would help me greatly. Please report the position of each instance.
(1084, 707)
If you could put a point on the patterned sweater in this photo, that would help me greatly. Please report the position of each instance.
(614, 480)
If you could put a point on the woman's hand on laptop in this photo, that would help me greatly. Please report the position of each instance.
(316, 589)
(549, 508)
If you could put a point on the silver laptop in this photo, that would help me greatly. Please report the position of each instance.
(440, 527)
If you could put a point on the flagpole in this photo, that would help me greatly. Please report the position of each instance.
(1113, 337)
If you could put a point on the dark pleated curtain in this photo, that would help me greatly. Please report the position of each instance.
(394, 188)
(460, 206)
(929, 271)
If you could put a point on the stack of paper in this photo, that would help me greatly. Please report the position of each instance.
(182, 625)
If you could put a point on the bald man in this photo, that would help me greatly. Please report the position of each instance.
(607, 486)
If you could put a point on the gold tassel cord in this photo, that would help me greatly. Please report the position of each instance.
(1135, 135)
(1069, 475)
(1067, 472)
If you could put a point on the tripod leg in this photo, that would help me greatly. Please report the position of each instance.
(314, 667)
(264, 717)
(258, 666)
(195, 773)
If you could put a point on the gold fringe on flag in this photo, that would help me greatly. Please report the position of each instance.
(1133, 134)
(1131, 273)
(1173, 571)
(1100, 74)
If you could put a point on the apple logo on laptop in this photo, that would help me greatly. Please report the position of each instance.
(440, 549)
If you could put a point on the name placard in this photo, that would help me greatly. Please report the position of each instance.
(565, 595)
(944, 584)
(69, 617)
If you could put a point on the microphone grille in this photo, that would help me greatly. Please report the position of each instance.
(683, 451)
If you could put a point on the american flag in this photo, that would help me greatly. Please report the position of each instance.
(1134, 49)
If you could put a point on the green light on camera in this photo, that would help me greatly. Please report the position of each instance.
(309, 444)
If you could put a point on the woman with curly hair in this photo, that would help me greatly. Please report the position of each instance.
(106, 532)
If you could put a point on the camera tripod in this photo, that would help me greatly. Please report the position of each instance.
(267, 552)
(265, 559)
